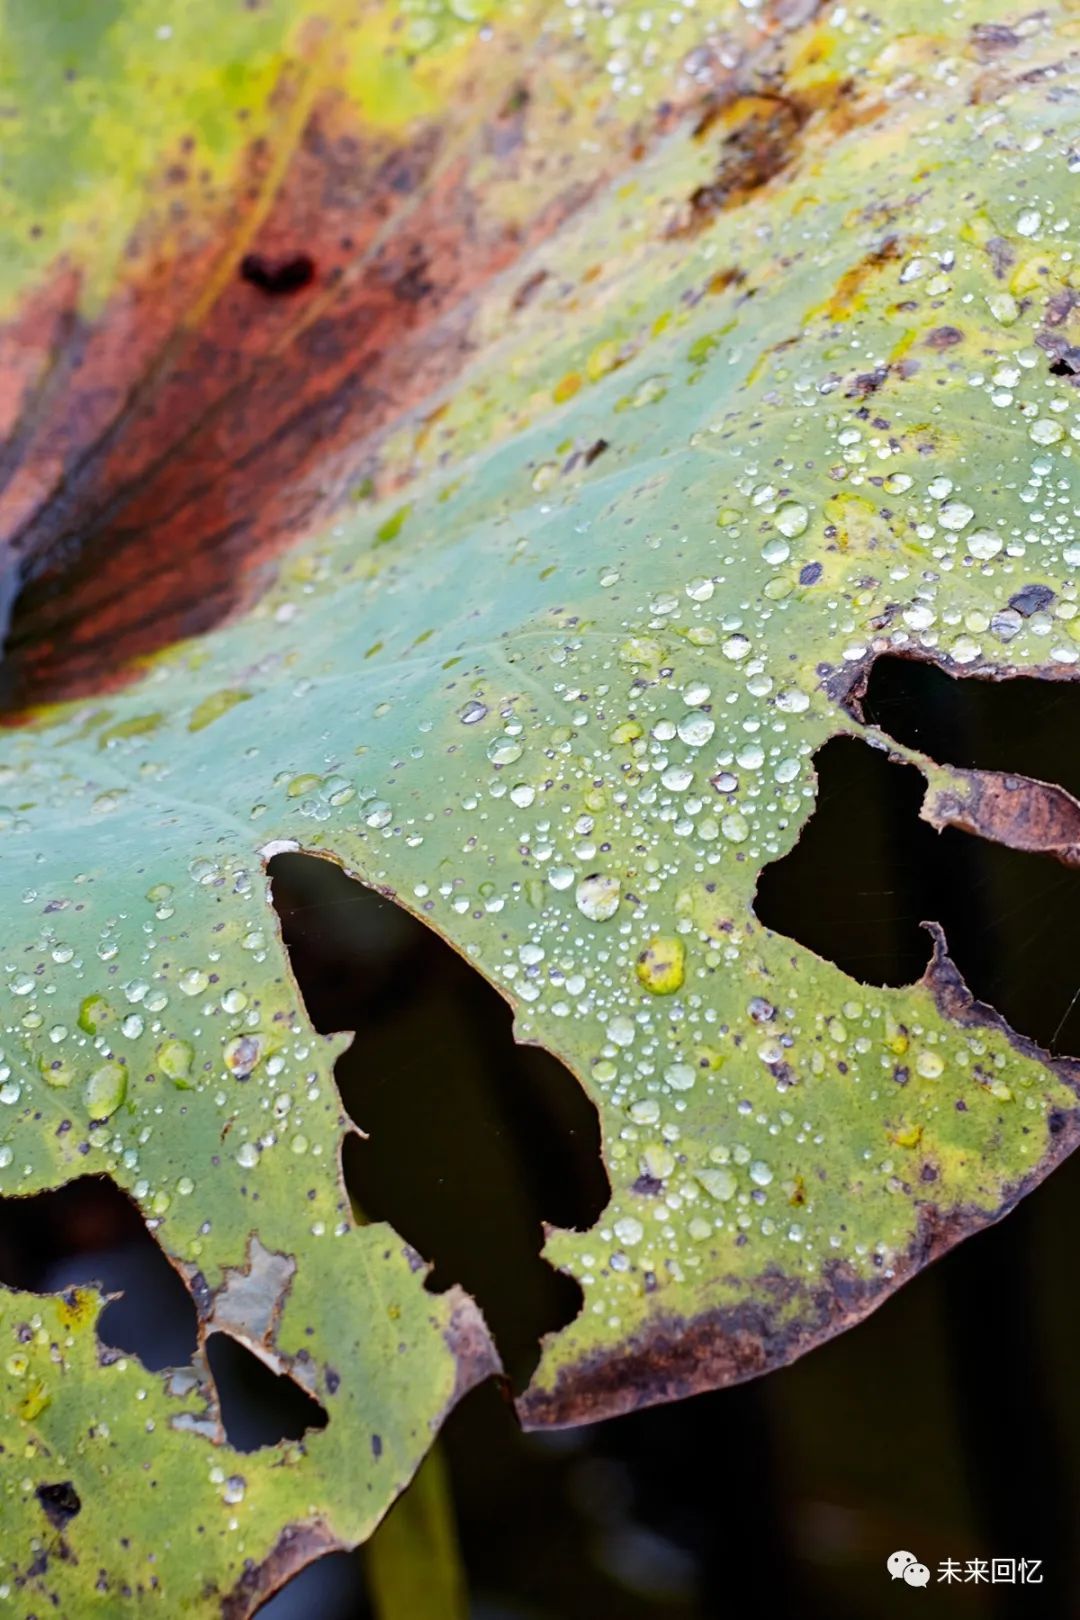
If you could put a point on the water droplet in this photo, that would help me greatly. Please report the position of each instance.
(305, 783)
(955, 515)
(597, 896)
(504, 750)
(792, 518)
(620, 1031)
(696, 728)
(105, 1090)
(628, 1230)
(719, 1184)
(242, 1054)
(645, 1111)
(657, 1162)
(648, 392)
(983, 545)
(1006, 624)
(1003, 307)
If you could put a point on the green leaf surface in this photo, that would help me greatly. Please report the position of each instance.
(650, 378)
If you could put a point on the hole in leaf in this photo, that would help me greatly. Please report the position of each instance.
(60, 1502)
(258, 1406)
(474, 1141)
(330, 1587)
(1027, 726)
(90, 1232)
(853, 886)
(1067, 363)
(278, 277)
(866, 873)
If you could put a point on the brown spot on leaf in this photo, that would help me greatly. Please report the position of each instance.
(529, 289)
(732, 275)
(1060, 305)
(1002, 257)
(867, 383)
(943, 337)
(848, 289)
(991, 40)
(760, 141)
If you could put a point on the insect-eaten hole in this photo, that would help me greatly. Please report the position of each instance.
(278, 277)
(473, 1140)
(60, 1502)
(1023, 725)
(867, 873)
(90, 1232)
(258, 1406)
(1066, 363)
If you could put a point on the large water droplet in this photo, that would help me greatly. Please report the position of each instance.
(597, 896)
(792, 518)
(105, 1090)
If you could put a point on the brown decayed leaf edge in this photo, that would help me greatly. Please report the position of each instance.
(784, 1318)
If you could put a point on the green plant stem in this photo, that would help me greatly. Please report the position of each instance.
(413, 1561)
